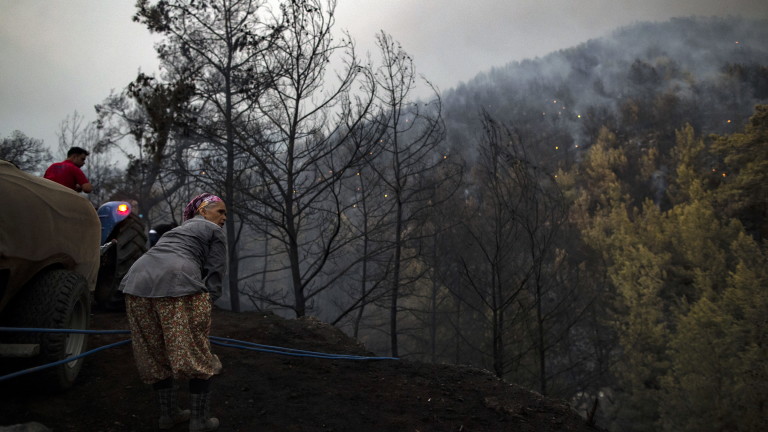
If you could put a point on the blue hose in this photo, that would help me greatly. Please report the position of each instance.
(234, 343)
(42, 330)
(220, 341)
(60, 362)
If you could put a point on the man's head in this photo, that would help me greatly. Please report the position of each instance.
(77, 155)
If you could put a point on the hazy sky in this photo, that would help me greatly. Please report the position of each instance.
(61, 56)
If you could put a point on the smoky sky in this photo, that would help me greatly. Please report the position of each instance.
(62, 56)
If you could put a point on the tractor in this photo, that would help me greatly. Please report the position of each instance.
(58, 258)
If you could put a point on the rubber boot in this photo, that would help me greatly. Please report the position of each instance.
(170, 413)
(201, 420)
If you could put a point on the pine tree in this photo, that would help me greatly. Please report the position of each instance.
(719, 375)
(744, 173)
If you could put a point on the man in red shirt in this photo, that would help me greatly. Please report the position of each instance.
(68, 172)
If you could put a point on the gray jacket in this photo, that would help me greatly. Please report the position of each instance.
(175, 266)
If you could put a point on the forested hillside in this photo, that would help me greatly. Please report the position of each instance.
(642, 82)
(623, 187)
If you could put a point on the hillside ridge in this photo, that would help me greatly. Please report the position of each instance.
(642, 82)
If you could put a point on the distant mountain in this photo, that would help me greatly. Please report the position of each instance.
(643, 82)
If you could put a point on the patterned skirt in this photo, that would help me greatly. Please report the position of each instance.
(169, 336)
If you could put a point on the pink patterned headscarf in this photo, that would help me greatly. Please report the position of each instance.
(193, 207)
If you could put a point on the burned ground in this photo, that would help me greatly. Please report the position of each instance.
(259, 391)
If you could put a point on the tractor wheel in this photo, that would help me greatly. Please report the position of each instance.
(55, 299)
(131, 243)
(131, 240)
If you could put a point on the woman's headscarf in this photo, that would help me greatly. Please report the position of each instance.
(193, 207)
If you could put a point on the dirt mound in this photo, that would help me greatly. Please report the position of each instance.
(271, 392)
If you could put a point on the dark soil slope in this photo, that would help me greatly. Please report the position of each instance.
(270, 392)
